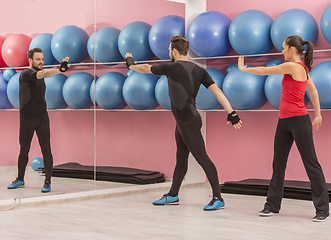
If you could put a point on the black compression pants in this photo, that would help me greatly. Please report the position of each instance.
(298, 129)
(27, 129)
(189, 139)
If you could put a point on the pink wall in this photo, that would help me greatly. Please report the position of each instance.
(145, 139)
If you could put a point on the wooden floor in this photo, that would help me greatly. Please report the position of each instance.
(134, 217)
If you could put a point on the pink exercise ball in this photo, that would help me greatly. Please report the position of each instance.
(14, 50)
(2, 63)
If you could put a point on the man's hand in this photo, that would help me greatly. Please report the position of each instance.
(64, 64)
(129, 60)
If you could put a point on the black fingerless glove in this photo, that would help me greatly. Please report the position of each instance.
(233, 119)
(129, 61)
(64, 66)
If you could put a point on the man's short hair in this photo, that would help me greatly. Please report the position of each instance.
(180, 44)
(32, 51)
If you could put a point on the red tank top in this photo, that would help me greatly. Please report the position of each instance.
(292, 97)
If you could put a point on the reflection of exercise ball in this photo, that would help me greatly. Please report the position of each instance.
(274, 62)
(54, 88)
(249, 32)
(231, 66)
(139, 91)
(162, 92)
(244, 90)
(8, 73)
(2, 63)
(13, 90)
(70, 41)
(37, 163)
(14, 50)
(293, 22)
(76, 90)
(321, 76)
(4, 102)
(134, 39)
(106, 45)
(208, 34)
(109, 91)
(43, 41)
(326, 23)
(206, 99)
(161, 33)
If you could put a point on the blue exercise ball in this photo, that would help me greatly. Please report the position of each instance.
(54, 88)
(205, 99)
(249, 33)
(134, 39)
(321, 76)
(106, 45)
(161, 33)
(273, 89)
(293, 22)
(162, 92)
(244, 90)
(208, 34)
(37, 163)
(274, 62)
(139, 91)
(13, 90)
(8, 73)
(230, 67)
(326, 23)
(109, 91)
(70, 41)
(4, 102)
(43, 41)
(76, 90)
(129, 72)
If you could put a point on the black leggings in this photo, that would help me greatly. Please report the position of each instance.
(298, 129)
(27, 128)
(189, 139)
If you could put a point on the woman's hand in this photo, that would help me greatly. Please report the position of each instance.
(317, 122)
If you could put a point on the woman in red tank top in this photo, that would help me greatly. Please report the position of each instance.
(294, 125)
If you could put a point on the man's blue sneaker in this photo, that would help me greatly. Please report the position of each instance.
(167, 200)
(215, 204)
(16, 184)
(47, 187)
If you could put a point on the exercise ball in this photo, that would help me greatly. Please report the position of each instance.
(37, 163)
(208, 34)
(129, 72)
(13, 90)
(249, 33)
(14, 50)
(293, 22)
(139, 91)
(43, 41)
(54, 88)
(205, 99)
(162, 92)
(134, 39)
(244, 90)
(70, 41)
(76, 90)
(161, 33)
(109, 91)
(106, 45)
(321, 76)
(326, 23)
(273, 89)
(230, 67)
(8, 73)
(3, 92)
(274, 62)
(2, 62)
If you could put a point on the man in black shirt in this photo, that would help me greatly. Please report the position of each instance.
(184, 80)
(34, 116)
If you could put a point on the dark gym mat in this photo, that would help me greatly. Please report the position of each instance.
(259, 187)
(106, 173)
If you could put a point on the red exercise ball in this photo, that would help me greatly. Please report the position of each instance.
(14, 50)
(2, 63)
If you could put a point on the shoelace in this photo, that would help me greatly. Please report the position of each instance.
(213, 200)
(15, 181)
